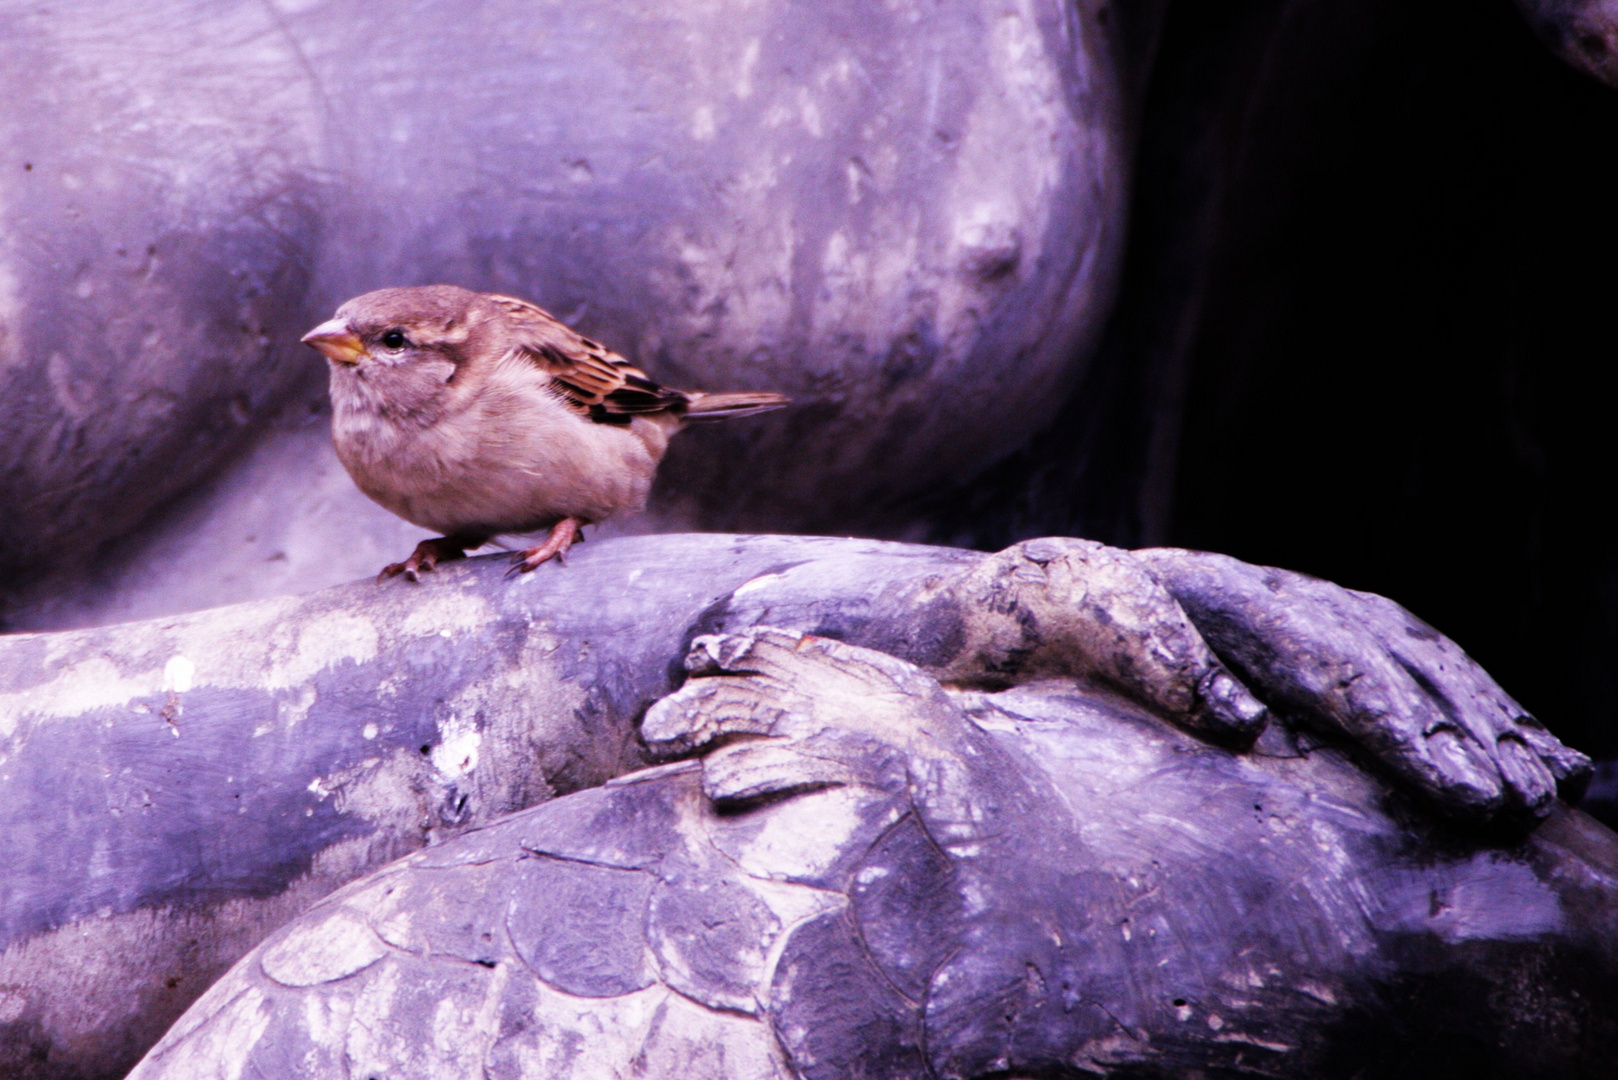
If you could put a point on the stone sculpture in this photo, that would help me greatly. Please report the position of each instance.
(232, 767)
(909, 217)
(867, 875)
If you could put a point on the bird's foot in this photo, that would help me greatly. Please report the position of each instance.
(428, 554)
(564, 534)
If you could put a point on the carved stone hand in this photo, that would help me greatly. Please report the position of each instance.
(1359, 665)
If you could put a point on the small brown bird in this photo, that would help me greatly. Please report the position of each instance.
(478, 415)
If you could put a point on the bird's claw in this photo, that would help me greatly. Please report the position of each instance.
(425, 559)
(564, 534)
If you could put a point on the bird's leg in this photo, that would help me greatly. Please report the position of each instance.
(563, 536)
(428, 554)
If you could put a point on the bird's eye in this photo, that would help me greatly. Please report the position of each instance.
(394, 339)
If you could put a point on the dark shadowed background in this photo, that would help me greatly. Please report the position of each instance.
(1366, 331)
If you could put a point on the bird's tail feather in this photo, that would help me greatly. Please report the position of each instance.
(740, 403)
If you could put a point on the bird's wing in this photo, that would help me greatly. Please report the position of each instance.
(595, 381)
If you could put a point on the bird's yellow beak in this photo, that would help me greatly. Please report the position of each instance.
(336, 342)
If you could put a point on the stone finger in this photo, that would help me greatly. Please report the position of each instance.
(707, 710)
(756, 770)
(788, 684)
(1455, 773)
(1409, 722)
(1571, 769)
(1077, 608)
(1526, 777)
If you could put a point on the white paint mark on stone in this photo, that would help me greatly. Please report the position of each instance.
(292, 711)
(804, 837)
(178, 674)
(857, 174)
(838, 71)
(744, 79)
(323, 950)
(94, 682)
(778, 114)
(369, 731)
(457, 752)
(763, 581)
(450, 611)
(702, 124)
(809, 110)
(324, 643)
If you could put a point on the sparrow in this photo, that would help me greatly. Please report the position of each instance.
(477, 415)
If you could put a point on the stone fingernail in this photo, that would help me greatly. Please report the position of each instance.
(1525, 775)
(1232, 707)
(1467, 780)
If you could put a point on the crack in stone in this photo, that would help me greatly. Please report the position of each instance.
(579, 860)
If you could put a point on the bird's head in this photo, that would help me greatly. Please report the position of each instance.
(397, 350)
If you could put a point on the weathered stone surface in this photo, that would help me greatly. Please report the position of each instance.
(1584, 33)
(909, 217)
(226, 769)
(159, 215)
(581, 926)
(171, 791)
(283, 519)
(1058, 882)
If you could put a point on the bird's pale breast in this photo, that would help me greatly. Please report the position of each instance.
(515, 460)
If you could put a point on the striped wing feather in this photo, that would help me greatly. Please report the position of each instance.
(595, 381)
